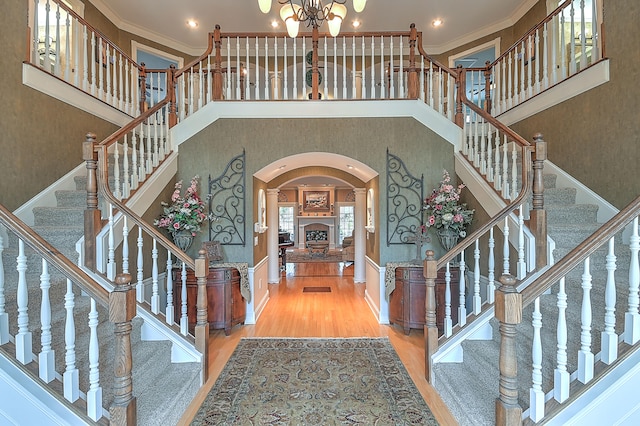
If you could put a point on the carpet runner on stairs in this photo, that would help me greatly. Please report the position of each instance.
(470, 388)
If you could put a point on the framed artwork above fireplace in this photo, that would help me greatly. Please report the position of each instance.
(315, 201)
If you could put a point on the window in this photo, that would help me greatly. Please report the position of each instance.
(346, 219)
(286, 219)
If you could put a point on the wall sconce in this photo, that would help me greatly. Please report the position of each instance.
(370, 227)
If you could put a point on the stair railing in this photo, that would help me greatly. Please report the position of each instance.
(72, 50)
(502, 158)
(121, 309)
(564, 385)
(557, 48)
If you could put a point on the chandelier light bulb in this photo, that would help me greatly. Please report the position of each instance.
(358, 5)
(338, 12)
(265, 5)
(293, 25)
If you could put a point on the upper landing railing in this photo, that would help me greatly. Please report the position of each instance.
(566, 42)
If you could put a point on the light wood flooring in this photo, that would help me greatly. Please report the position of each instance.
(343, 312)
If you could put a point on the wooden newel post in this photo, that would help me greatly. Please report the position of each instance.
(122, 309)
(202, 323)
(92, 216)
(538, 215)
(508, 311)
(430, 271)
(171, 92)
(217, 64)
(142, 87)
(413, 72)
(487, 87)
(460, 96)
(315, 73)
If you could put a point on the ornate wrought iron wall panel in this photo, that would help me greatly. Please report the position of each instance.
(405, 194)
(227, 204)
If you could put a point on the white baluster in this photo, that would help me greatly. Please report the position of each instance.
(142, 173)
(505, 247)
(505, 169)
(134, 161)
(383, 86)
(585, 356)
(140, 274)
(631, 317)
(563, 51)
(335, 68)
(510, 79)
(536, 74)
(23, 339)
(523, 55)
(489, 165)
(477, 301)
(34, 35)
(304, 68)
(514, 172)
(67, 30)
(483, 147)
(266, 69)
(503, 106)
(344, 68)
(401, 86)
(285, 71)
(121, 104)
(521, 269)
(111, 263)
(545, 56)
(46, 358)
(498, 176)
(362, 70)
(354, 91)
(609, 338)
(94, 395)
(392, 89)
(491, 287)
(257, 85)
(126, 189)
(561, 377)
(116, 171)
(184, 321)
(125, 245)
(295, 69)
(247, 79)
(536, 394)
(169, 314)
(107, 57)
(372, 95)
(4, 317)
(150, 149)
(93, 64)
(155, 296)
(326, 72)
(276, 91)
(448, 322)
(422, 82)
(462, 308)
(70, 378)
(191, 94)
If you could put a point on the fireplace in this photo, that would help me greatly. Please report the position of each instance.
(316, 228)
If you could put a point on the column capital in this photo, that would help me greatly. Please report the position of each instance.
(360, 190)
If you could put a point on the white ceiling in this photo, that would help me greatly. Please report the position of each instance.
(165, 20)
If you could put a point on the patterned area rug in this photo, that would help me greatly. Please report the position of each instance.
(302, 256)
(314, 382)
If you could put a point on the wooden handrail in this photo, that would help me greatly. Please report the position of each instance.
(53, 256)
(581, 252)
(527, 186)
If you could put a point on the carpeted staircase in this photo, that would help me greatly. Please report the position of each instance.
(163, 389)
(470, 388)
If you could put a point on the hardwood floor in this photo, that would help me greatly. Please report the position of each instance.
(343, 312)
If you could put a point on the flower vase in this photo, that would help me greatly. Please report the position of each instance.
(183, 239)
(448, 238)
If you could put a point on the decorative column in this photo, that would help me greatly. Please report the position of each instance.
(359, 275)
(272, 236)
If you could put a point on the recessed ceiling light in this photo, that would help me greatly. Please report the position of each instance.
(349, 166)
(437, 22)
(355, 23)
(274, 24)
(282, 167)
(192, 23)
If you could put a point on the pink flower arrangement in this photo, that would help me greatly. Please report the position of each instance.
(444, 210)
(186, 212)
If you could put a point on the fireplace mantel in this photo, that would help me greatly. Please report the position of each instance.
(329, 221)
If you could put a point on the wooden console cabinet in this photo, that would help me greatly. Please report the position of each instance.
(226, 306)
(407, 301)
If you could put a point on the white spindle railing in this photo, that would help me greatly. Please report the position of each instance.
(565, 43)
(66, 46)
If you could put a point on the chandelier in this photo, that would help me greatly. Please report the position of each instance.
(313, 12)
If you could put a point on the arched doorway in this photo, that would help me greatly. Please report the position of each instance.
(317, 203)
